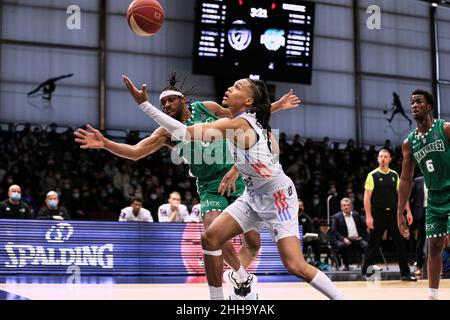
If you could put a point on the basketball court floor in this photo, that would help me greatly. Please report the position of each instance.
(195, 288)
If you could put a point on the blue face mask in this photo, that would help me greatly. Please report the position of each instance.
(53, 204)
(15, 196)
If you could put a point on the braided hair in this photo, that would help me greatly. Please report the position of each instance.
(173, 80)
(261, 103)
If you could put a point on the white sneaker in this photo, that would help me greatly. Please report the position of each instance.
(241, 290)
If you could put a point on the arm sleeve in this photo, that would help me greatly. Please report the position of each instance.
(161, 217)
(122, 216)
(175, 127)
(370, 185)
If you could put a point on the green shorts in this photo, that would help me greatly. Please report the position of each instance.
(437, 215)
(211, 200)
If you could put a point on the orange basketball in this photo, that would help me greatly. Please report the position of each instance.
(145, 17)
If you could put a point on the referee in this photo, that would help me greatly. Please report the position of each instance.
(380, 204)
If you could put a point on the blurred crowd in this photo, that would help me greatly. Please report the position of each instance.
(96, 185)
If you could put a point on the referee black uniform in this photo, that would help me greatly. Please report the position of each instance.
(383, 186)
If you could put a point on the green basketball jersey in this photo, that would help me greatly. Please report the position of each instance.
(431, 153)
(206, 160)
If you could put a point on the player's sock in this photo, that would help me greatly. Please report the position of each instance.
(433, 293)
(241, 274)
(216, 293)
(323, 284)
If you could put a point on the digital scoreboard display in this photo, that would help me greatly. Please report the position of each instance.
(260, 39)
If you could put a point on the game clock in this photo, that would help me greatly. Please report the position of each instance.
(264, 39)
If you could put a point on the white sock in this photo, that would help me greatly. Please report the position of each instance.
(433, 293)
(323, 284)
(216, 293)
(241, 273)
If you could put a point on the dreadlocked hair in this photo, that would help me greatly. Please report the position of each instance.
(174, 79)
(261, 103)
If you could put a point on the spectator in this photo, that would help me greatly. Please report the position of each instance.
(349, 232)
(14, 207)
(195, 217)
(135, 213)
(52, 210)
(173, 211)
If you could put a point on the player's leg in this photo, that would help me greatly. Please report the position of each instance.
(399, 243)
(436, 226)
(376, 234)
(222, 229)
(293, 260)
(435, 265)
(251, 243)
(229, 254)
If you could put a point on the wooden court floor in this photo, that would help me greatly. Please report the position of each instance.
(353, 290)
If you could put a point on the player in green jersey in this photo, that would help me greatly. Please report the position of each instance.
(428, 147)
(201, 158)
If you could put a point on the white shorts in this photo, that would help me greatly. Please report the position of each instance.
(277, 209)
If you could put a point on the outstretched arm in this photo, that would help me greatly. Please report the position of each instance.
(288, 101)
(179, 131)
(93, 139)
(404, 191)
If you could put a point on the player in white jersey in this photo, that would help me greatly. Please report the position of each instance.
(173, 211)
(195, 214)
(270, 195)
(135, 213)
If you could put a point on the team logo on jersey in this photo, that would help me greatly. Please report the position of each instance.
(437, 146)
(435, 136)
(202, 116)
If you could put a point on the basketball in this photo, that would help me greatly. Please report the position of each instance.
(145, 17)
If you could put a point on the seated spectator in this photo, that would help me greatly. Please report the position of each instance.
(173, 211)
(194, 216)
(14, 207)
(135, 213)
(349, 232)
(52, 210)
(310, 231)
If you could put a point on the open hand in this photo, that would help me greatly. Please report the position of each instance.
(89, 140)
(228, 182)
(140, 96)
(289, 100)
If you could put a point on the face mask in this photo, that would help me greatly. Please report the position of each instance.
(110, 190)
(15, 196)
(316, 202)
(67, 186)
(53, 204)
(10, 181)
(153, 196)
(76, 195)
(188, 198)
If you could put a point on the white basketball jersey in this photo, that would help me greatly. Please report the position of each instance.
(165, 211)
(259, 166)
